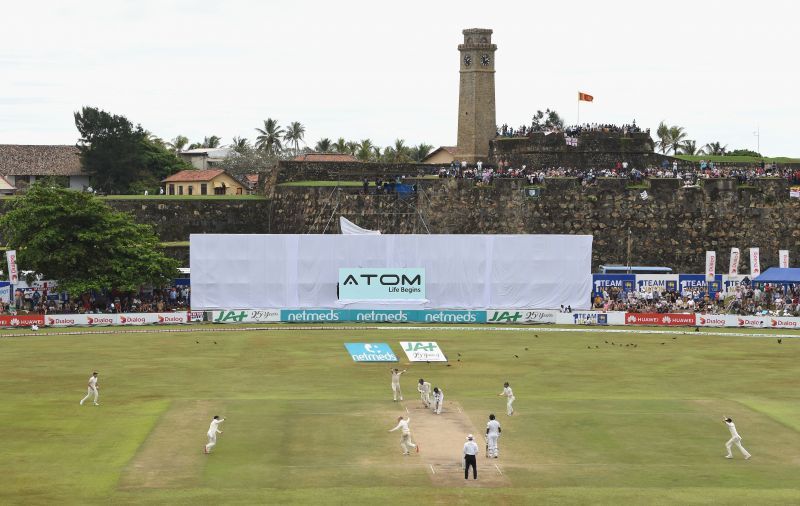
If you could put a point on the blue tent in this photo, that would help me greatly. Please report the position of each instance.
(779, 276)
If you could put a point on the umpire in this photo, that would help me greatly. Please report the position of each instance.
(470, 451)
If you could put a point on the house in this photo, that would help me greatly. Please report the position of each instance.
(325, 157)
(444, 155)
(205, 158)
(203, 182)
(6, 188)
(22, 164)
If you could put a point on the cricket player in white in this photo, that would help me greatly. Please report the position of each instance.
(424, 389)
(405, 435)
(438, 400)
(509, 395)
(213, 430)
(735, 439)
(92, 389)
(396, 383)
(492, 434)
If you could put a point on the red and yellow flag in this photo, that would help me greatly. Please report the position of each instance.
(585, 97)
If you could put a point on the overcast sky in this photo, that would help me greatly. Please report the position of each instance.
(367, 69)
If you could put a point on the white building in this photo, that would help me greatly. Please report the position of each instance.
(205, 158)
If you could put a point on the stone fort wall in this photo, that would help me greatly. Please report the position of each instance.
(597, 150)
(673, 227)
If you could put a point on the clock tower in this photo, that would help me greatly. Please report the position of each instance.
(476, 111)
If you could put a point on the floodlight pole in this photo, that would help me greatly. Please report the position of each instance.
(629, 250)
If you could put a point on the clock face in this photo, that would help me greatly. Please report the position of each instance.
(467, 60)
(485, 60)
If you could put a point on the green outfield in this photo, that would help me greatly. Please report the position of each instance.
(596, 423)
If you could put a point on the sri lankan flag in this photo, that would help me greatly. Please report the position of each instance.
(585, 97)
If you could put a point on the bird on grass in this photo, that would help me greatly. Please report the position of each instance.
(663, 343)
(780, 341)
(675, 337)
(516, 356)
(606, 342)
(536, 335)
(697, 329)
(449, 365)
(197, 342)
(597, 347)
(526, 348)
(215, 342)
(459, 354)
(589, 347)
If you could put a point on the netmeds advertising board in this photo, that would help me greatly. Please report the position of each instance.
(382, 315)
(363, 284)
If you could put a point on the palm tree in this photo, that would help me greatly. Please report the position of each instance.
(211, 142)
(324, 145)
(419, 152)
(663, 137)
(352, 147)
(269, 138)
(364, 151)
(376, 154)
(178, 143)
(294, 134)
(676, 138)
(340, 146)
(402, 152)
(240, 144)
(715, 148)
(689, 148)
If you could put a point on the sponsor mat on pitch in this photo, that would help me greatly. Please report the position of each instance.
(423, 351)
(370, 352)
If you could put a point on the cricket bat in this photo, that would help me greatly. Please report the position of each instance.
(486, 453)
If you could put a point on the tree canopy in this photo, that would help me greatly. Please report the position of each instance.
(121, 157)
(77, 239)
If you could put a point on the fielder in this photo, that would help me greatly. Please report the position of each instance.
(424, 389)
(509, 395)
(735, 439)
(492, 434)
(396, 383)
(92, 389)
(405, 435)
(438, 400)
(213, 430)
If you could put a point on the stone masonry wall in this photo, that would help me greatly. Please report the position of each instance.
(595, 149)
(673, 227)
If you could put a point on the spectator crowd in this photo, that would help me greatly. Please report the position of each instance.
(173, 298)
(743, 299)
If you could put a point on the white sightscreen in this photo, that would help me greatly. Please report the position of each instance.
(232, 271)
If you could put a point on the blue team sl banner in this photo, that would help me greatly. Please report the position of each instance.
(370, 352)
(625, 282)
(698, 281)
(381, 284)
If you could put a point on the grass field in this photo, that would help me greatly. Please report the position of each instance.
(595, 423)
